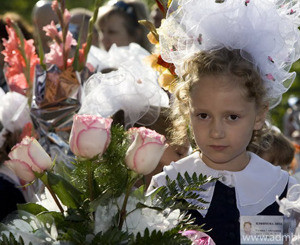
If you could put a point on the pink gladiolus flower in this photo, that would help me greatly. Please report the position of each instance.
(55, 56)
(54, 5)
(90, 135)
(51, 30)
(198, 237)
(67, 16)
(144, 153)
(18, 74)
(28, 157)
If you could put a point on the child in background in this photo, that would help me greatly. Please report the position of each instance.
(281, 151)
(231, 74)
(118, 23)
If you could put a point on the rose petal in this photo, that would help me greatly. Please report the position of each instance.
(20, 151)
(147, 157)
(21, 169)
(92, 142)
(39, 156)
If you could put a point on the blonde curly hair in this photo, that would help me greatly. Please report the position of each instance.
(217, 62)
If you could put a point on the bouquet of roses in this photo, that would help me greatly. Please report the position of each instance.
(97, 200)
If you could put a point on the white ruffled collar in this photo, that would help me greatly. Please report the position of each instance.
(256, 186)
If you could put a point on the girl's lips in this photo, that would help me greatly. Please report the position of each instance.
(218, 147)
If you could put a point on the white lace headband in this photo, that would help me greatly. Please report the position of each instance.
(265, 29)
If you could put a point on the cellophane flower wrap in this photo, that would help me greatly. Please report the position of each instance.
(58, 79)
(97, 201)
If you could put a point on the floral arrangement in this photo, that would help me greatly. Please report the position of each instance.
(21, 59)
(96, 198)
(167, 76)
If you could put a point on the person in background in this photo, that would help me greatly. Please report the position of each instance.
(118, 23)
(280, 152)
(156, 15)
(79, 20)
(42, 15)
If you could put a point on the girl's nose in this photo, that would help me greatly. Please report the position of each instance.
(217, 129)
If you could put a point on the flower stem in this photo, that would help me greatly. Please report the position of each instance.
(90, 176)
(44, 179)
(55, 199)
(133, 178)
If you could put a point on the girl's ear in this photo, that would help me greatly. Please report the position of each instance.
(261, 117)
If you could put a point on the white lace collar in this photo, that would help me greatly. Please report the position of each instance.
(256, 186)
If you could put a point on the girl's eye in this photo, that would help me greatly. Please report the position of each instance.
(203, 116)
(233, 117)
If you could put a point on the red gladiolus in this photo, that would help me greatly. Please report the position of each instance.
(21, 59)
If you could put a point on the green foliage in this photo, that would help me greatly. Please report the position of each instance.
(176, 192)
(101, 181)
(11, 240)
(110, 171)
(171, 237)
(67, 193)
(278, 112)
(112, 236)
(32, 208)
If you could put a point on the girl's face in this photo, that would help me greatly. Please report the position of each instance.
(113, 31)
(223, 121)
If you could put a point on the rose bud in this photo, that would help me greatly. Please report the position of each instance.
(90, 135)
(28, 157)
(147, 148)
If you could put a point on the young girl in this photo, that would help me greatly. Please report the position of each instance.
(232, 61)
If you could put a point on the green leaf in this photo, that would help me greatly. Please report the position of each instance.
(170, 237)
(50, 217)
(32, 208)
(112, 236)
(66, 192)
(101, 199)
(139, 193)
(11, 240)
(176, 192)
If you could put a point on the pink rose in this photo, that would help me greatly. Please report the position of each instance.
(198, 237)
(90, 135)
(144, 153)
(28, 157)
